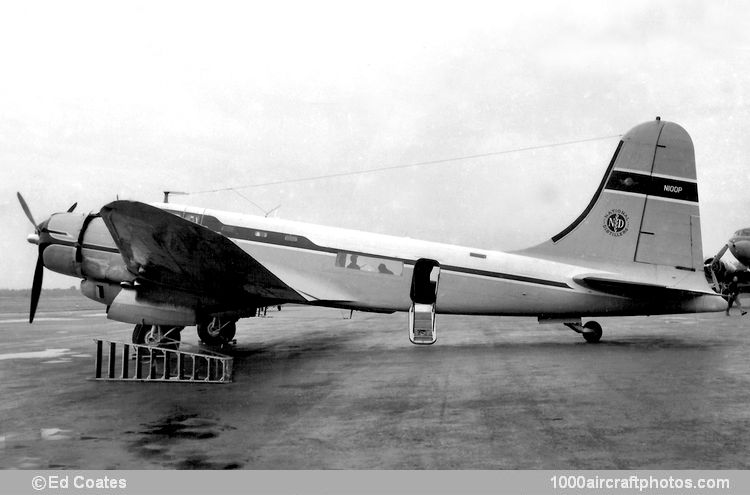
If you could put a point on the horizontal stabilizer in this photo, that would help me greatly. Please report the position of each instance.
(635, 289)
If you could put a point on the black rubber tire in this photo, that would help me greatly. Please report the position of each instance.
(216, 338)
(594, 333)
(173, 335)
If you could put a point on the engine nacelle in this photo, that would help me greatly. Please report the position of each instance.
(81, 246)
(100, 292)
(59, 241)
(99, 255)
(126, 307)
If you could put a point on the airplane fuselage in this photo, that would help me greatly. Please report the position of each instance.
(315, 260)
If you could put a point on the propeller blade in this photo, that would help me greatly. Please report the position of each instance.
(72, 207)
(714, 279)
(26, 209)
(714, 267)
(36, 288)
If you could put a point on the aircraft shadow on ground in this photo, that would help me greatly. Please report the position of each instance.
(319, 345)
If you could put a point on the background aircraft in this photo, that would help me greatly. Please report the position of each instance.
(634, 250)
(722, 268)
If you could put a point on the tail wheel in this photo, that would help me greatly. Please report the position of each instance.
(592, 332)
(164, 336)
(217, 331)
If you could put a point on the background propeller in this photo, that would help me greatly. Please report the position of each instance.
(715, 267)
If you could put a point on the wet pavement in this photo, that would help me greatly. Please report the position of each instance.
(315, 390)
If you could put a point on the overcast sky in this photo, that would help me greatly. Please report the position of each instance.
(99, 99)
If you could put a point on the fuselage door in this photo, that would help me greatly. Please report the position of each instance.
(424, 287)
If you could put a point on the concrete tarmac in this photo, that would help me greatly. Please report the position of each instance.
(313, 390)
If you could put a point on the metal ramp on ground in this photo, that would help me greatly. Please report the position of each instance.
(135, 362)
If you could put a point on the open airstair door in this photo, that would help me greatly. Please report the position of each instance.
(424, 287)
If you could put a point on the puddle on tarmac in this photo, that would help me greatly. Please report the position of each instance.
(169, 439)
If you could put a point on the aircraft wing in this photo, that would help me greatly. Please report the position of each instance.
(161, 248)
(313, 289)
(635, 289)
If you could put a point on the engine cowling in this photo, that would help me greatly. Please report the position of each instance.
(59, 242)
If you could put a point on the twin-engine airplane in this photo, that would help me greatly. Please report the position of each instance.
(635, 250)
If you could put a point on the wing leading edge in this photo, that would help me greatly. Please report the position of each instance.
(161, 248)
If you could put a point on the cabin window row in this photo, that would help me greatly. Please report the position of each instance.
(372, 264)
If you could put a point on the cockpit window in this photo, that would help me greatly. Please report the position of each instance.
(353, 261)
(742, 233)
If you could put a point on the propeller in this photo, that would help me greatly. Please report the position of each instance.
(27, 211)
(715, 266)
(36, 287)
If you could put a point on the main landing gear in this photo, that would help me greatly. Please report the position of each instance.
(217, 331)
(214, 332)
(591, 331)
(157, 336)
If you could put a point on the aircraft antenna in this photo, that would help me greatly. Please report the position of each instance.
(167, 193)
(396, 167)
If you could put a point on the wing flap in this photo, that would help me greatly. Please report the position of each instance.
(313, 289)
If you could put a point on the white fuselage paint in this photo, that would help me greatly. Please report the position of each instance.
(472, 280)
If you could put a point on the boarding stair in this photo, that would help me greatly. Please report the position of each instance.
(422, 324)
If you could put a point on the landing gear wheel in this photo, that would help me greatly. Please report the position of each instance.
(592, 332)
(216, 332)
(164, 336)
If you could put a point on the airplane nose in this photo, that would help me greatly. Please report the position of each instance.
(740, 248)
(33, 239)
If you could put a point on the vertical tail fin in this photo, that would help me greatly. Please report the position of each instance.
(645, 209)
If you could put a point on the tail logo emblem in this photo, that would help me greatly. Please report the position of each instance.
(616, 223)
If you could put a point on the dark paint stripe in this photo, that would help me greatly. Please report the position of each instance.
(594, 199)
(278, 238)
(92, 247)
(506, 276)
(100, 248)
(648, 185)
(283, 239)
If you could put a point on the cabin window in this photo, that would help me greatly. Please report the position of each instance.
(370, 264)
(192, 217)
(290, 238)
(261, 234)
